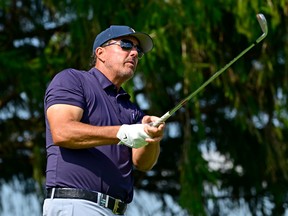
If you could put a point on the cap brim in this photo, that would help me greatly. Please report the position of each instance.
(145, 41)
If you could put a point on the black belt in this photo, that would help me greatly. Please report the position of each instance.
(116, 205)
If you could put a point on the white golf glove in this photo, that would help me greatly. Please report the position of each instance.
(133, 135)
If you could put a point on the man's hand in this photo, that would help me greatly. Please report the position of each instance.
(133, 135)
(155, 133)
(139, 135)
(145, 158)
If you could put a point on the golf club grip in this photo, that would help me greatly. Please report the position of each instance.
(161, 120)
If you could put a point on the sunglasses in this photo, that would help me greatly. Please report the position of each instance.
(127, 45)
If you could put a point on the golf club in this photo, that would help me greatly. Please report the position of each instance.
(264, 27)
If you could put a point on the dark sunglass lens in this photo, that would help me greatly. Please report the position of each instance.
(126, 44)
(140, 52)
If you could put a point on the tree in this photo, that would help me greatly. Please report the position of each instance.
(242, 114)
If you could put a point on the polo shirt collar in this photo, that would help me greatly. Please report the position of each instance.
(106, 83)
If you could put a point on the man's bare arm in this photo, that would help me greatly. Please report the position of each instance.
(67, 130)
(146, 157)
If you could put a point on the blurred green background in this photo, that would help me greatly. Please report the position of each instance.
(226, 147)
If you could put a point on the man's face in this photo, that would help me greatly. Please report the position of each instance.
(120, 62)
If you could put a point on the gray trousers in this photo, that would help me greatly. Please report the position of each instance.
(73, 207)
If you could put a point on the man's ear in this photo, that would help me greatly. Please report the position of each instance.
(100, 53)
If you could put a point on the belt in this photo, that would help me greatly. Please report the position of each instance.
(117, 206)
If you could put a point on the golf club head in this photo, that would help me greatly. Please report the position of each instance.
(264, 27)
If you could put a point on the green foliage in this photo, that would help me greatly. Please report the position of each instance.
(242, 114)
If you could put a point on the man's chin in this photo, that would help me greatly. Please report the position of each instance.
(127, 75)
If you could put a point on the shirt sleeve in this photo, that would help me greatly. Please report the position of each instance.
(65, 88)
(138, 116)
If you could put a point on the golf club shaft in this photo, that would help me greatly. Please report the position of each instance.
(263, 25)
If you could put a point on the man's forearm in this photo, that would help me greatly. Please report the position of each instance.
(145, 158)
(77, 135)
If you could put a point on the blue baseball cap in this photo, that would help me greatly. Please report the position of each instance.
(115, 31)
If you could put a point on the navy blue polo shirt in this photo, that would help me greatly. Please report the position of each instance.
(106, 169)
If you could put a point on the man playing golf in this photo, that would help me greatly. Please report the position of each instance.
(94, 134)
